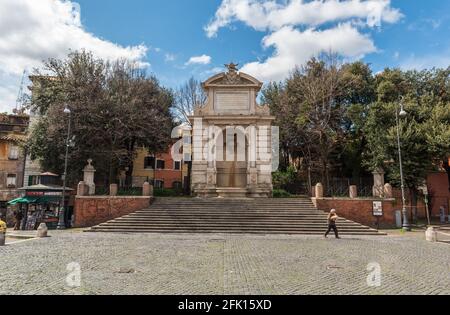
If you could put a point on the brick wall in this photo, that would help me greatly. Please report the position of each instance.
(361, 210)
(90, 211)
(438, 188)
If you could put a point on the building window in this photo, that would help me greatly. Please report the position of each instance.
(13, 152)
(11, 180)
(160, 164)
(159, 184)
(177, 165)
(149, 162)
(33, 180)
(177, 185)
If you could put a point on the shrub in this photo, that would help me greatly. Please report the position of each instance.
(165, 192)
(284, 179)
(281, 193)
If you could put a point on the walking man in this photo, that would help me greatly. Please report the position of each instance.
(332, 218)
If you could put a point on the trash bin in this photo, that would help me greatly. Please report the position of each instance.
(398, 218)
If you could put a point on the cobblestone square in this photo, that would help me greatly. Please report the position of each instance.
(223, 264)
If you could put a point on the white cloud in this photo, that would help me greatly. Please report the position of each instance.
(299, 29)
(32, 31)
(438, 60)
(294, 48)
(273, 15)
(202, 60)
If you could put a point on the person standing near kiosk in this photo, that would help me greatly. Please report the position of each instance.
(3, 228)
(18, 216)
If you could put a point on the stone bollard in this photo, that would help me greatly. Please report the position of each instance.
(319, 190)
(388, 191)
(431, 234)
(147, 190)
(2, 239)
(113, 188)
(42, 230)
(81, 189)
(353, 192)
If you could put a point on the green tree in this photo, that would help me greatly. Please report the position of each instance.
(114, 109)
(359, 95)
(321, 109)
(316, 92)
(425, 132)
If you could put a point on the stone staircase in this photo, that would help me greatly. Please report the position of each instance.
(250, 216)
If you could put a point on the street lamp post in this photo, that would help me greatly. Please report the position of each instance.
(406, 226)
(61, 221)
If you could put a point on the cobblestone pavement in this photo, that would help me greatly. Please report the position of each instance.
(223, 264)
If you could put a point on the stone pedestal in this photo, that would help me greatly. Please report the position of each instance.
(147, 190)
(353, 191)
(82, 189)
(113, 189)
(378, 183)
(211, 178)
(88, 177)
(319, 191)
(388, 191)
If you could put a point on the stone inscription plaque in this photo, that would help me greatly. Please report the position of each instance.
(232, 101)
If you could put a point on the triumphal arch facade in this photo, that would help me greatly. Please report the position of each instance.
(233, 140)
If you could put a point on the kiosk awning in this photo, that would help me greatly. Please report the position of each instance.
(35, 200)
(26, 200)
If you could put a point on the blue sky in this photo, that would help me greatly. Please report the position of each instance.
(183, 38)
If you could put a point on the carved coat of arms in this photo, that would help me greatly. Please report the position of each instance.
(232, 76)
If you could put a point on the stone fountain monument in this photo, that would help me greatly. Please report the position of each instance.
(232, 139)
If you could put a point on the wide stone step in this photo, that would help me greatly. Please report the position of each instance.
(230, 213)
(213, 219)
(225, 218)
(227, 231)
(227, 205)
(274, 206)
(243, 210)
(241, 220)
(258, 216)
(319, 228)
(231, 204)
